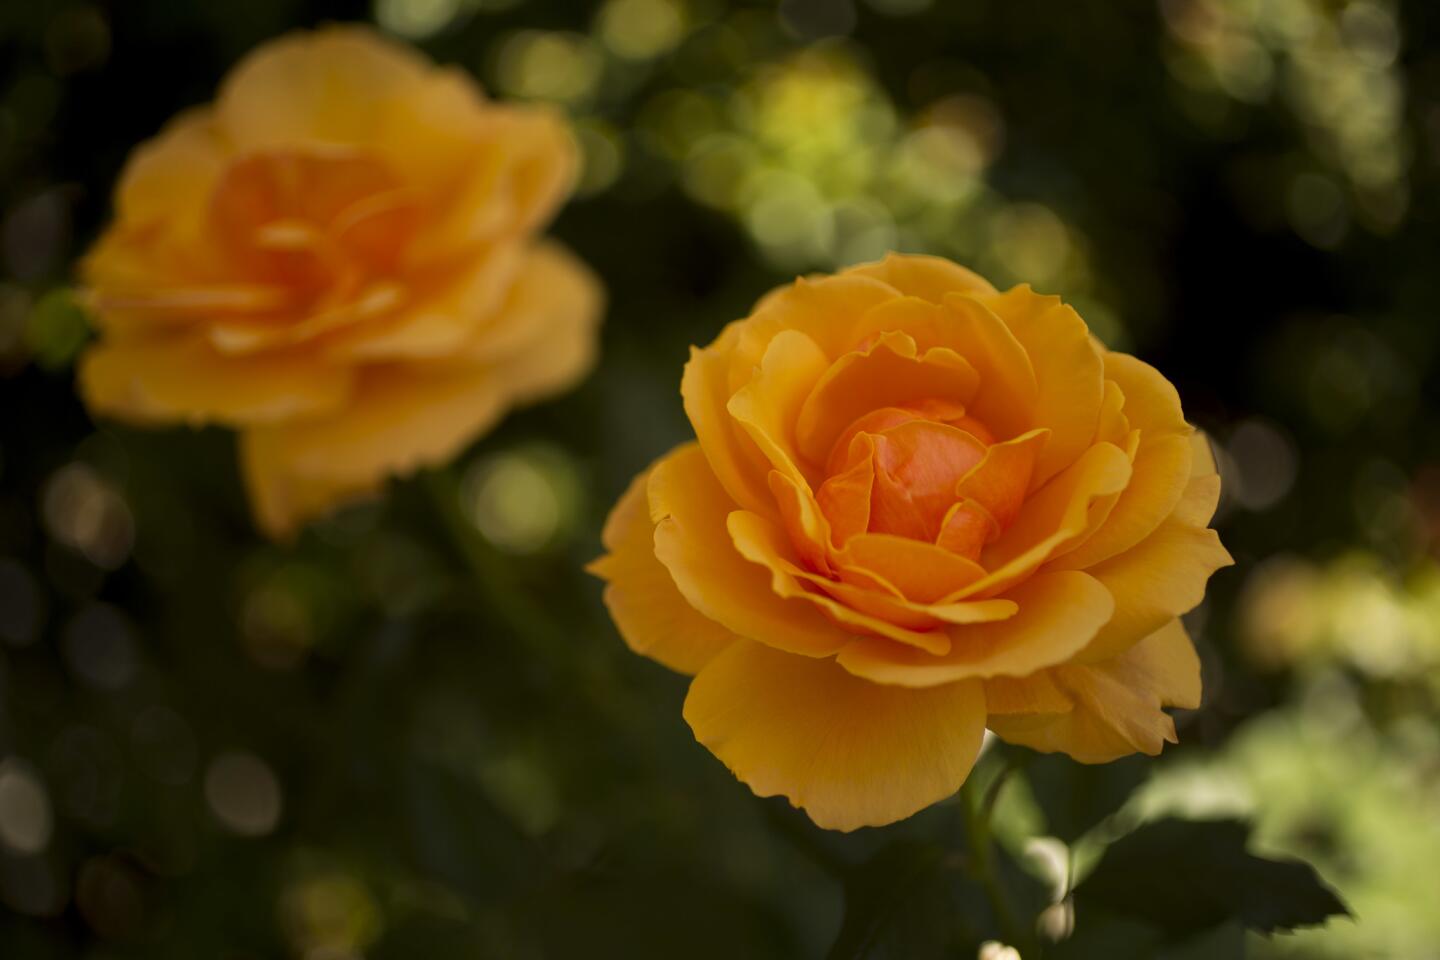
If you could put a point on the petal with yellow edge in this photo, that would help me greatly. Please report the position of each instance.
(767, 407)
(649, 611)
(1118, 703)
(691, 540)
(401, 418)
(833, 311)
(1202, 493)
(921, 571)
(332, 86)
(926, 277)
(563, 301)
(170, 177)
(1068, 371)
(850, 753)
(1159, 476)
(763, 543)
(1058, 615)
(705, 387)
(1036, 693)
(1008, 398)
(887, 373)
(1161, 578)
(1057, 514)
(164, 380)
(1152, 404)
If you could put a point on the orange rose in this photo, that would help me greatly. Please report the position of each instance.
(917, 507)
(337, 259)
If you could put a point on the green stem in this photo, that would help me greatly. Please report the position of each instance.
(977, 811)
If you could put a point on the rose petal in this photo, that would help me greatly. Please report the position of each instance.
(1057, 514)
(692, 541)
(848, 752)
(182, 379)
(652, 616)
(763, 543)
(1068, 372)
(767, 407)
(887, 373)
(1161, 578)
(1159, 475)
(1152, 404)
(1117, 703)
(1059, 614)
(921, 571)
(1000, 480)
(333, 85)
(400, 418)
(926, 277)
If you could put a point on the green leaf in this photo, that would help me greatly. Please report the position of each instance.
(1187, 876)
(1076, 796)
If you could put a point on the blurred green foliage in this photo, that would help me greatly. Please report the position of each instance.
(415, 733)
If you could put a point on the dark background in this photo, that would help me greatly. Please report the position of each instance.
(415, 733)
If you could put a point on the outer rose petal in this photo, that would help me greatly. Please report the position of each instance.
(562, 301)
(1118, 702)
(1157, 581)
(1068, 371)
(331, 86)
(1037, 693)
(169, 179)
(691, 540)
(402, 418)
(849, 752)
(1159, 475)
(651, 614)
(929, 278)
(165, 380)
(1151, 403)
(1202, 493)
(1059, 614)
(513, 180)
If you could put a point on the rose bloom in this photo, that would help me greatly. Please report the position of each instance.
(917, 507)
(338, 259)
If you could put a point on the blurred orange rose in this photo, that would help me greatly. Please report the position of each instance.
(337, 258)
(916, 508)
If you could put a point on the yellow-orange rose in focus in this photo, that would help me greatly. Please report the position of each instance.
(338, 259)
(917, 507)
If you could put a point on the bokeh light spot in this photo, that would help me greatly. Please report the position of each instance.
(243, 793)
(521, 501)
(25, 818)
(641, 29)
(415, 19)
(549, 66)
(86, 514)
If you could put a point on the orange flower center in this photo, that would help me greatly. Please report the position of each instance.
(898, 470)
(315, 222)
